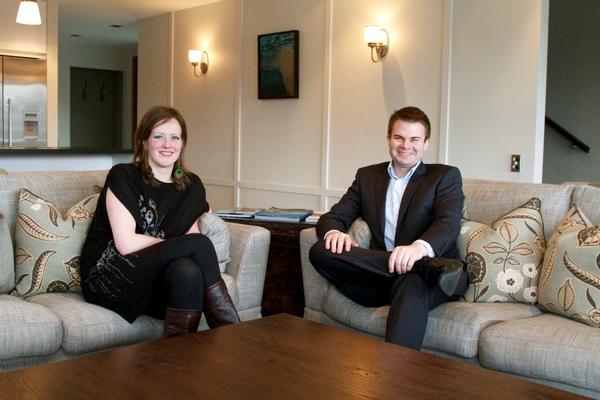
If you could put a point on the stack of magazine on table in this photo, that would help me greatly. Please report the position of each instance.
(283, 214)
(238, 212)
(314, 217)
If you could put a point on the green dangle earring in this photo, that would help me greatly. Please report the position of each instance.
(178, 172)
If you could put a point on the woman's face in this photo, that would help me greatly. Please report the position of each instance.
(164, 144)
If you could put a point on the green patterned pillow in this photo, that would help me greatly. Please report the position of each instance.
(570, 279)
(503, 260)
(48, 245)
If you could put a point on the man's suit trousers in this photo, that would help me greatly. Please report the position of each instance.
(362, 275)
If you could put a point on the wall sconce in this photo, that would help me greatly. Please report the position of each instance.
(29, 13)
(198, 57)
(377, 39)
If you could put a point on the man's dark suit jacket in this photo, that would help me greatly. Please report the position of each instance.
(430, 210)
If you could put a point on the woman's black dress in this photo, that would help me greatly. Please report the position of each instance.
(129, 284)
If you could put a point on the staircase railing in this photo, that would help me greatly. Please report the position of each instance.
(575, 141)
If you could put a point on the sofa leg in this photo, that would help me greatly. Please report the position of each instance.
(181, 321)
(218, 306)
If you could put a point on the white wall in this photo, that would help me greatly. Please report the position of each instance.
(284, 134)
(210, 102)
(304, 152)
(364, 94)
(52, 74)
(154, 72)
(497, 63)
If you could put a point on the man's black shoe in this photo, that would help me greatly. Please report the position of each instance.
(446, 271)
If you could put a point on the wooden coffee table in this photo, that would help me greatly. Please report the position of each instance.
(277, 357)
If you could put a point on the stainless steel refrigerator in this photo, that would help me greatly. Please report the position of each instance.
(23, 95)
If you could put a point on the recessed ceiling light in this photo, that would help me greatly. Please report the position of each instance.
(116, 26)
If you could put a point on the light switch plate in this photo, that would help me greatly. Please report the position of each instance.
(515, 163)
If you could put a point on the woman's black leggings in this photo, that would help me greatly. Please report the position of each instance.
(172, 273)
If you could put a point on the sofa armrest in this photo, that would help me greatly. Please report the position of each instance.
(248, 266)
(315, 286)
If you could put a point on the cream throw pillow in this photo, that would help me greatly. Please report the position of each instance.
(570, 278)
(360, 232)
(503, 259)
(48, 245)
(217, 231)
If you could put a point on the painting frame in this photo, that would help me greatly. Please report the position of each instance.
(278, 61)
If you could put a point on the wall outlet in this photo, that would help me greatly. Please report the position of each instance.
(515, 163)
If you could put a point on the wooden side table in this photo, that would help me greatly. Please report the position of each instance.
(283, 292)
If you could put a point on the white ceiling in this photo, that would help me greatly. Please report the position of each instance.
(92, 18)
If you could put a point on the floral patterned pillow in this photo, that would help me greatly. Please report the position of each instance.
(48, 245)
(570, 279)
(503, 259)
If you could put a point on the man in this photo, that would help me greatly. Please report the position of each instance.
(413, 211)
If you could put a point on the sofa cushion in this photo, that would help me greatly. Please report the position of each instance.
(455, 327)
(27, 330)
(88, 327)
(371, 320)
(547, 346)
(452, 328)
(570, 277)
(217, 231)
(588, 199)
(61, 188)
(48, 245)
(486, 200)
(7, 261)
(503, 260)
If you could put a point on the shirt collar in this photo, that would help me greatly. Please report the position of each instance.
(392, 174)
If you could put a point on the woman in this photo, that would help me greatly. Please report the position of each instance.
(144, 253)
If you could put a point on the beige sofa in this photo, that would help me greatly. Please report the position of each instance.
(514, 338)
(54, 326)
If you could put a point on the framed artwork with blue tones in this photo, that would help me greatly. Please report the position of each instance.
(278, 65)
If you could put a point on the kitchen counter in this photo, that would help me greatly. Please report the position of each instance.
(60, 150)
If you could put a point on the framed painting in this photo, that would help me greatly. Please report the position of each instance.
(278, 65)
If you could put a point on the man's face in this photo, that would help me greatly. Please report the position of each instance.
(407, 144)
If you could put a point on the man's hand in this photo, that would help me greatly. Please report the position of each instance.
(336, 242)
(403, 258)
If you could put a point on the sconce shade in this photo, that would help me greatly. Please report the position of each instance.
(198, 57)
(29, 13)
(372, 34)
(194, 56)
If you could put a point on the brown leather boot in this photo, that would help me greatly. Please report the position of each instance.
(181, 321)
(218, 307)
